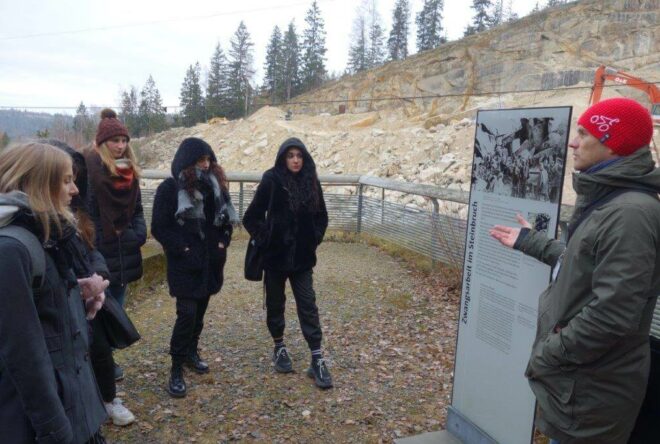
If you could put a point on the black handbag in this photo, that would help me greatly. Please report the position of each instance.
(119, 330)
(254, 263)
(253, 269)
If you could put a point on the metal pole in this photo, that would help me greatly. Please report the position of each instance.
(382, 206)
(434, 229)
(240, 199)
(359, 215)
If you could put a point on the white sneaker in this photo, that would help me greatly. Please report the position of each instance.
(119, 414)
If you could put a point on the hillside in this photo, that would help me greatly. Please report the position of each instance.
(429, 140)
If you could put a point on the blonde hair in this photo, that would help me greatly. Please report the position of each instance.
(38, 169)
(109, 161)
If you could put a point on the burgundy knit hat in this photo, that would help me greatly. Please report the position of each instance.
(109, 127)
(621, 124)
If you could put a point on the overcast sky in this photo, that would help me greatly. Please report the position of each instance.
(58, 53)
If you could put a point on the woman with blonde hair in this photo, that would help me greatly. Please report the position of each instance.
(47, 388)
(115, 205)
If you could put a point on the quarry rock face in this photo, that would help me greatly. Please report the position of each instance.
(425, 132)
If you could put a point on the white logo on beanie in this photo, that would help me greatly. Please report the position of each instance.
(604, 123)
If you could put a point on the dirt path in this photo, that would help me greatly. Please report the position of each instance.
(389, 336)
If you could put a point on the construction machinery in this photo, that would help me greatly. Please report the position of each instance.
(605, 73)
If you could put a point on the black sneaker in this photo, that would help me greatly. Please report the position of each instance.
(196, 363)
(177, 385)
(282, 361)
(319, 371)
(119, 373)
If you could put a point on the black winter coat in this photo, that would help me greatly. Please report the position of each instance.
(198, 272)
(122, 253)
(48, 392)
(289, 239)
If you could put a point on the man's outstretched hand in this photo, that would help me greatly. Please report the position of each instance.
(507, 236)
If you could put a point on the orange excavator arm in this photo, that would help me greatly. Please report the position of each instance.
(605, 73)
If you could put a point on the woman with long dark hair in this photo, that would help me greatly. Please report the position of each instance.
(192, 219)
(288, 236)
(115, 205)
(47, 388)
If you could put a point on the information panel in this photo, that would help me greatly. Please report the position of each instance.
(518, 168)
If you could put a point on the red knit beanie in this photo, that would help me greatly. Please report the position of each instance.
(621, 124)
(109, 127)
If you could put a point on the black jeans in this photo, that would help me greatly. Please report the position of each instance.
(188, 327)
(102, 361)
(303, 291)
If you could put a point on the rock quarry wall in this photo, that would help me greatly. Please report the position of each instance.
(430, 140)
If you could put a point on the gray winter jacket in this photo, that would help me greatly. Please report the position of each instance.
(590, 359)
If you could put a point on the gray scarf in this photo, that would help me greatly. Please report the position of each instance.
(192, 208)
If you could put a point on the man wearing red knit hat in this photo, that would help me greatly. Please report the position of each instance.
(590, 360)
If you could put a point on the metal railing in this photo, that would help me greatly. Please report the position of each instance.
(437, 233)
(364, 208)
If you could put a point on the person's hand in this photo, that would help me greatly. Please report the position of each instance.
(93, 305)
(507, 236)
(221, 245)
(92, 286)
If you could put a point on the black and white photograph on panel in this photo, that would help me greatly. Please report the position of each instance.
(521, 153)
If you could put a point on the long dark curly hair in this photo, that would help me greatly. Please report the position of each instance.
(190, 177)
(303, 187)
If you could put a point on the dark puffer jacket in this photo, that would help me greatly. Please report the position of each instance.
(197, 272)
(48, 392)
(290, 239)
(122, 253)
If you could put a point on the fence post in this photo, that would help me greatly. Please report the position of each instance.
(240, 199)
(382, 206)
(434, 229)
(359, 215)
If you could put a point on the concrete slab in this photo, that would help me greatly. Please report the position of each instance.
(441, 437)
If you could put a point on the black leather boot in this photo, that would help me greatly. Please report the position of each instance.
(177, 386)
(196, 363)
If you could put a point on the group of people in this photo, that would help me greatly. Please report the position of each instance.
(71, 228)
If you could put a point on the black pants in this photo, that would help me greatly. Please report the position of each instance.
(102, 362)
(303, 292)
(188, 327)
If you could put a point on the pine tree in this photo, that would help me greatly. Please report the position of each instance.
(509, 14)
(313, 57)
(217, 84)
(397, 43)
(429, 25)
(191, 98)
(151, 113)
(241, 72)
(357, 53)
(83, 125)
(129, 111)
(498, 13)
(291, 62)
(480, 20)
(274, 67)
(376, 50)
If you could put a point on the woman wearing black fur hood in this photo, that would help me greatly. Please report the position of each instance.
(192, 219)
(289, 236)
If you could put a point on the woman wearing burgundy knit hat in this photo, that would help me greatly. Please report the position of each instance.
(192, 219)
(115, 205)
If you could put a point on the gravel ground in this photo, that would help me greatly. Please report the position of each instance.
(389, 336)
